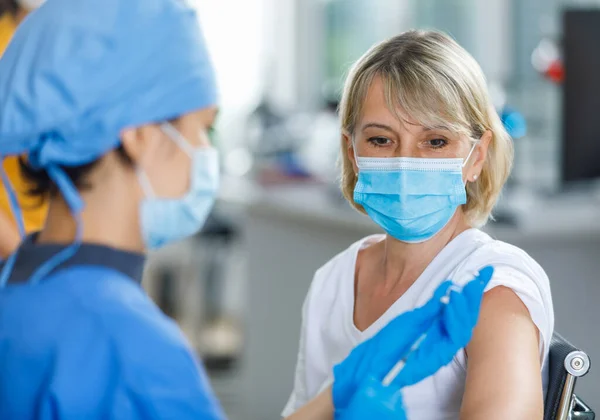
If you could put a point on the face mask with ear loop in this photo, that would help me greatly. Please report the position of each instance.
(164, 221)
(412, 199)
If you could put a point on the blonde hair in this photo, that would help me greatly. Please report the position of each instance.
(436, 83)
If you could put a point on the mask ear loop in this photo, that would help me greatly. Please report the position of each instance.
(16, 211)
(467, 159)
(145, 183)
(180, 141)
(470, 153)
(178, 138)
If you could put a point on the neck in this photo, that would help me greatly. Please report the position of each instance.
(404, 262)
(109, 218)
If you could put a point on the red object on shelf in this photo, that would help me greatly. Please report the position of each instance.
(555, 72)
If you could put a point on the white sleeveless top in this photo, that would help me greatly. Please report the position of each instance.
(329, 334)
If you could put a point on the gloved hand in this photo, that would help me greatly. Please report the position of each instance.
(376, 356)
(451, 332)
(373, 400)
(447, 321)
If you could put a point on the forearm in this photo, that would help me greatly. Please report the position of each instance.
(9, 236)
(319, 408)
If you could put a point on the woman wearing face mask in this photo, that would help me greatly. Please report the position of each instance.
(12, 12)
(111, 102)
(425, 155)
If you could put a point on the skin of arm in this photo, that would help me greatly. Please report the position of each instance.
(319, 408)
(503, 369)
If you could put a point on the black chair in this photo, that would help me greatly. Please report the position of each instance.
(567, 363)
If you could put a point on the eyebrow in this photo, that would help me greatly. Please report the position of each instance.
(440, 127)
(391, 130)
(378, 125)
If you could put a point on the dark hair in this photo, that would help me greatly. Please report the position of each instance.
(42, 186)
(9, 6)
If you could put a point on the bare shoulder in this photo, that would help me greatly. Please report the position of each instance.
(501, 302)
(504, 368)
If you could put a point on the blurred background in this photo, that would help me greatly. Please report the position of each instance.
(238, 287)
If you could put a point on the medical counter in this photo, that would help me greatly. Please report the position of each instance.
(290, 231)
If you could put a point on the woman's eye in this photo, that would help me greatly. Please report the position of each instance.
(378, 141)
(438, 143)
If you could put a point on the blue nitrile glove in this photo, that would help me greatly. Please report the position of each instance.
(373, 400)
(514, 122)
(447, 330)
(451, 332)
(376, 356)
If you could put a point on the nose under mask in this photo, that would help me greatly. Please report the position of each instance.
(411, 199)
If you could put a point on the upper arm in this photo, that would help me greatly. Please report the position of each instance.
(503, 371)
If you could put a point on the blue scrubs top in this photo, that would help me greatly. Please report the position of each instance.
(86, 342)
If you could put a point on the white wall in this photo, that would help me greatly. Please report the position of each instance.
(235, 31)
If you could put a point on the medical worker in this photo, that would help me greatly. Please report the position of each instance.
(34, 210)
(425, 156)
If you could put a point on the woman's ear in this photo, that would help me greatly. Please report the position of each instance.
(349, 145)
(479, 156)
(138, 142)
(130, 138)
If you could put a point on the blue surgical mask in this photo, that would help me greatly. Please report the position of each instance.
(164, 221)
(412, 199)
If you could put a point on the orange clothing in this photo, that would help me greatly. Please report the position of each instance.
(34, 212)
(7, 29)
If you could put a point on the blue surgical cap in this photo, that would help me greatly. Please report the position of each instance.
(77, 72)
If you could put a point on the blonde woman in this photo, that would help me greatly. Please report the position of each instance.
(425, 155)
